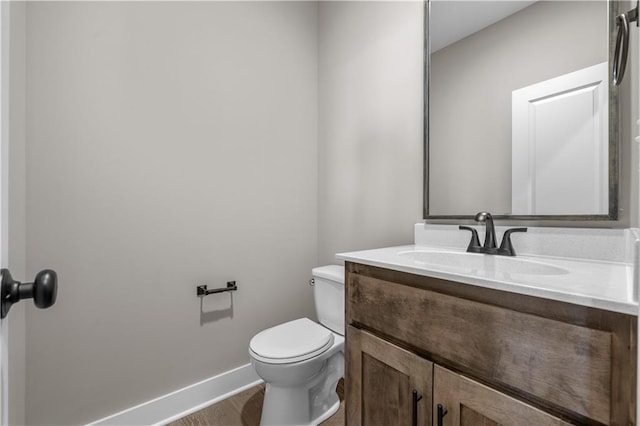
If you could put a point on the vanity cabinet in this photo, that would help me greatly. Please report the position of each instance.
(469, 403)
(488, 357)
(393, 385)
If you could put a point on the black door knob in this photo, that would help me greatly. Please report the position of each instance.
(43, 290)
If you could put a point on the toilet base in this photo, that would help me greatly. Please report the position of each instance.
(309, 405)
(334, 409)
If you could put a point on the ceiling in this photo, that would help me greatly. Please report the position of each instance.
(453, 20)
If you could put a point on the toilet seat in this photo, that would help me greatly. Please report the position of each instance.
(293, 341)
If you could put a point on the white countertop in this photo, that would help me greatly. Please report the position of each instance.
(595, 283)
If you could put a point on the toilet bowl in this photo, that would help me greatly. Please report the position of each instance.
(302, 361)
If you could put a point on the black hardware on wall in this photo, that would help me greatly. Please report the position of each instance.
(43, 290)
(201, 290)
(622, 42)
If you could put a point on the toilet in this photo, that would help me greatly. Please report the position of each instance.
(301, 361)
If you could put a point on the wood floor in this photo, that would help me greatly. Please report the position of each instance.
(244, 409)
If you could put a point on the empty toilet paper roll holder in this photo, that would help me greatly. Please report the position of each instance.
(202, 290)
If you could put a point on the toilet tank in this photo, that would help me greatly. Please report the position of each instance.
(328, 294)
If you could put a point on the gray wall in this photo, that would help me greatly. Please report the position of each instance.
(370, 134)
(169, 144)
(173, 144)
(470, 97)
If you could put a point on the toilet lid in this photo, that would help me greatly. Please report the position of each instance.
(292, 341)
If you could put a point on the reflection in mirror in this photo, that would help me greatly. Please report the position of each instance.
(518, 109)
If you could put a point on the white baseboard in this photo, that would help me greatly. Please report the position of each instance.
(177, 404)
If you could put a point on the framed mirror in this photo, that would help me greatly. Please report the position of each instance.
(521, 117)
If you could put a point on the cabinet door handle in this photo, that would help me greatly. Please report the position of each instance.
(414, 408)
(441, 413)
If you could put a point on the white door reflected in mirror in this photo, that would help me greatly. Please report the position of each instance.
(560, 143)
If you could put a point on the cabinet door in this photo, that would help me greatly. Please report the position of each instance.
(380, 382)
(470, 403)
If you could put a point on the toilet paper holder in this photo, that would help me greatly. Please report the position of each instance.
(202, 290)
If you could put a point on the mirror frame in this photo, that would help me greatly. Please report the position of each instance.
(615, 7)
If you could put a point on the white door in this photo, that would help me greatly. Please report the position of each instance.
(560, 167)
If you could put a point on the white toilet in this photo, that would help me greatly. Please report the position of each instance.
(301, 361)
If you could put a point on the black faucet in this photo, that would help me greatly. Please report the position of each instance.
(489, 246)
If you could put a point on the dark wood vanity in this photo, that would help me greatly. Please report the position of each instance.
(487, 357)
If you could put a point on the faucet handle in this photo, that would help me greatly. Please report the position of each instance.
(474, 244)
(506, 248)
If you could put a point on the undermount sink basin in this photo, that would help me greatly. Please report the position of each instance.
(480, 264)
